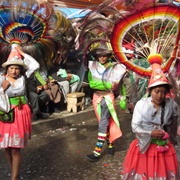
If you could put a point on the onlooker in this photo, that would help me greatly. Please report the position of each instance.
(68, 82)
(44, 90)
(38, 98)
(72, 78)
(15, 135)
(62, 81)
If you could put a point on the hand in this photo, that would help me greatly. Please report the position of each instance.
(69, 77)
(157, 133)
(5, 84)
(39, 89)
(19, 48)
(45, 87)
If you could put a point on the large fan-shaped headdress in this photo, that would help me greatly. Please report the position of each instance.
(23, 22)
(151, 25)
(37, 26)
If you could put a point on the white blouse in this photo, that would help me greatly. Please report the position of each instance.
(146, 118)
(18, 87)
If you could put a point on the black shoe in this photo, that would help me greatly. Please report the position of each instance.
(92, 157)
(43, 116)
(45, 109)
(56, 110)
(34, 118)
(111, 151)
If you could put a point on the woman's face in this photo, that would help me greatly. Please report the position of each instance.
(13, 71)
(158, 94)
(103, 59)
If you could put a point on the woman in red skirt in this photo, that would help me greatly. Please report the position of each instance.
(152, 155)
(15, 135)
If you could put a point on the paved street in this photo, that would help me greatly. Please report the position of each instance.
(59, 154)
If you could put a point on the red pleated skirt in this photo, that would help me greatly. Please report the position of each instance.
(152, 165)
(18, 133)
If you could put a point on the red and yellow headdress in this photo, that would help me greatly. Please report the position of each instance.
(157, 77)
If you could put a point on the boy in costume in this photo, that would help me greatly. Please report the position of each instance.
(104, 78)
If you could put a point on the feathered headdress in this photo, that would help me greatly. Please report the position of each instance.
(37, 26)
(153, 30)
(147, 24)
(145, 27)
(95, 30)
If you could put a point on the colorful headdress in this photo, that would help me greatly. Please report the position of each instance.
(145, 27)
(14, 58)
(96, 28)
(157, 77)
(148, 24)
(38, 26)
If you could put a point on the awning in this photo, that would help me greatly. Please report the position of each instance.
(77, 3)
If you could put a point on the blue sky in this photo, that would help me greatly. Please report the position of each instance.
(73, 12)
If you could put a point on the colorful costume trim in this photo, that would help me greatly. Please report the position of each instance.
(114, 126)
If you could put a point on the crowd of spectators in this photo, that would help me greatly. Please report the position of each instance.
(47, 90)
